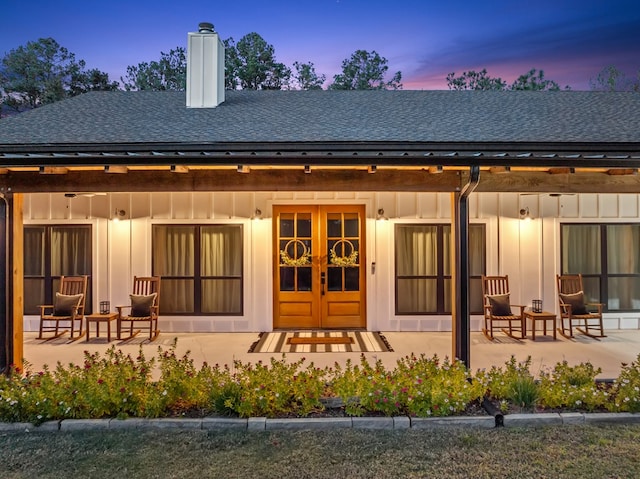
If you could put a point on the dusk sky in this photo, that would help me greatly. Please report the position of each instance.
(571, 40)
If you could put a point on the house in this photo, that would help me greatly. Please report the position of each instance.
(320, 209)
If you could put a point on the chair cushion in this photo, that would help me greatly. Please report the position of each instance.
(141, 304)
(576, 300)
(64, 304)
(500, 305)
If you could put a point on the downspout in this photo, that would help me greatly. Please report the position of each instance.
(462, 316)
(6, 322)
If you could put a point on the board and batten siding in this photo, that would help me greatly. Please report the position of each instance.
(527, 251)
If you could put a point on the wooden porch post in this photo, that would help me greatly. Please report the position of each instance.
(11, 281)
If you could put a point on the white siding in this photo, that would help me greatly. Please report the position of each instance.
(528, 251)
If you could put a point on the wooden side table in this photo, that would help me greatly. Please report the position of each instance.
(544, 316)
(100, 318)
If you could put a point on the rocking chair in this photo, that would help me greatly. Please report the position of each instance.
(144, 307)
(574, 312)
(68, 308)
(497, 309)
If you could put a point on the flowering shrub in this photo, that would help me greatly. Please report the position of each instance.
(572, 387)
(626, 389)
(118, 385)
(418, 386)
(513, 385)
(281, 389)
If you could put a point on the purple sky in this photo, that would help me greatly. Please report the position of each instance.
(570, 40)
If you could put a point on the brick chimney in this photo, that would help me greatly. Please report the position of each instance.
(205, 68)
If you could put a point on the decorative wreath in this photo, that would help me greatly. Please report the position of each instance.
(344, 261)
(302, 260)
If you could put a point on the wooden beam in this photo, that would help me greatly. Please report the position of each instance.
(229, 180)
(498, 170)
(542, 182)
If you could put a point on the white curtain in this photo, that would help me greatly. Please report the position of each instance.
(219, 268)
(174, 255)
(221, 257)
(623, 257)
(417, 255)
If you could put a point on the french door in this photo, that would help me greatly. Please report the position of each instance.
(319, 267)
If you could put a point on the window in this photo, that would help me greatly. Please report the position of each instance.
(51, 252)
(201, 268)
(608, 257)
(423, 268)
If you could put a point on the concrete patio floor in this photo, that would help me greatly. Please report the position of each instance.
(620, 346)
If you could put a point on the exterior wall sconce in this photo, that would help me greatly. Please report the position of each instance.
(381, 215)
(243, 169)
(524, 213)
(119, 214)
(307, 169)
(257, 214)
(372, 169)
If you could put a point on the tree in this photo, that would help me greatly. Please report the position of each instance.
(365, 71)
(169, 73)
(612, 79)
(252, 65)
(306, 77)
(43, 72)
(91, 80)
(473, 80)
(534, 81)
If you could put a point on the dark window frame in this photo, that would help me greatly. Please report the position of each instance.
(198, 278)
(47, 277)
(604, 276)
(440, 277)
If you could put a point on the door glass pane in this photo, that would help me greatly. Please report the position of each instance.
(351, 223)
(304, 278)
(334, 279)
(334, 225)
(591, 289)
(303, 225)
(286, 225)
(351, 279)
(287, 278)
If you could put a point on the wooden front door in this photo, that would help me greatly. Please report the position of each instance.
(319, 267)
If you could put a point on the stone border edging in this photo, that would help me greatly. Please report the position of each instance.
(371, 423)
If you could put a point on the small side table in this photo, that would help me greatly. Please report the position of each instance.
(544, 316)
(100, 318)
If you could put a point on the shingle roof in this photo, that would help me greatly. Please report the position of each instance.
(107, 118)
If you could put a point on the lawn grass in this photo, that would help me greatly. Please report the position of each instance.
(583, 451)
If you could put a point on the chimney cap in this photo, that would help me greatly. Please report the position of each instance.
(205, 27)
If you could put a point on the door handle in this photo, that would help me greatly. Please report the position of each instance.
(323, 280)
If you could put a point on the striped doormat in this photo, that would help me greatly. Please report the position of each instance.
(320, 342)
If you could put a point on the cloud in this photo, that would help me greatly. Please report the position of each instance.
(567, 48)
